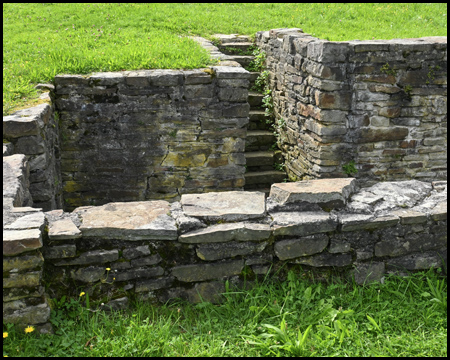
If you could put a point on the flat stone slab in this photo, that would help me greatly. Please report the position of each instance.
(31, 221)
(302, 224)
(227, 205)
(139, 220)
(228, 232)
(18, 241)
(63, 229)
(327, 193)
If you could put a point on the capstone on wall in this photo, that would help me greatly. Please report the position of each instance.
(381, 104)
(151, 134)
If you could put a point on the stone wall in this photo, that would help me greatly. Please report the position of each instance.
(157, 251)
(33, 133)
(381, 104)
(151, 134)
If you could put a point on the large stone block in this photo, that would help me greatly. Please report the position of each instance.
(129, 221)
(21, 263)
(63, 229)
(202, 272)
(367, 273)
(23, 314)
(305, 246)
(18, 241)
(211, 252)
(227, 206)
(302, 224)
(228, 232)
(327, 193)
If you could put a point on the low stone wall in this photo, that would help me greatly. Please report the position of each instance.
(151, 134)
(379, 104)
(33, 133)
(157, 251)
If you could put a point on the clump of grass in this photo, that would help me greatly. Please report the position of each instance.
(41, 40)
(404, 316)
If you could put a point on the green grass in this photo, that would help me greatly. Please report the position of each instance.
(404, 316)
(42, 40)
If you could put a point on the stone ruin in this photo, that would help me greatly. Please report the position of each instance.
(182, 131)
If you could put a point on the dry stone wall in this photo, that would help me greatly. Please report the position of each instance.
(32, 135)
(146, 135)
(379, 104)
(156, 250)
(152, 134)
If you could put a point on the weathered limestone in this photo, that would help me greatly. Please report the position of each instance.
(375, 107)
(117, 249)
(228, 232)
(229, 206)
(302, 224)
(34, 132)
(130, 221)
(175, 132)
(321, 192)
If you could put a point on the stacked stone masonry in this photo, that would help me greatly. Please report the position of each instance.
(152, 136)
(381, 104)
(157, 250)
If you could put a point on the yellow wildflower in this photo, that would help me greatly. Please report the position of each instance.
(29, 329)
(5, 335)
(82, 293)
(108, 269)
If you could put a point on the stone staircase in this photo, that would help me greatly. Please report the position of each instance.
(259, 153)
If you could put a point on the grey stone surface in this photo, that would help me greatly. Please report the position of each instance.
(130, 221)
(240, 231)
(135, 252)
(367, 273)
(29, 279)
(60, 251)
(18, 241)
(202, 272)
(217, 251)
(92, 257)
(227, 206)
(20, 313)
(21, 263)
(330, 193)
(353, 222)
(63, 229)
(153, 284)
(31, 221)
(420, 261)
(325, 259)
(16, 180)
(88, 274)
(302, 224)
(305, 246)
(131, 274)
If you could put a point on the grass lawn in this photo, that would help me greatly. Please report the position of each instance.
(42, 40)
(404, 316)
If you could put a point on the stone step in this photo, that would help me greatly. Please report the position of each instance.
(259, 158)
(258, 121)
(244, 60)
(257, 115)
(264, 177)
(259, 140)
(232, 38)
(255, 99)
(237, 48)
(253, 76)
